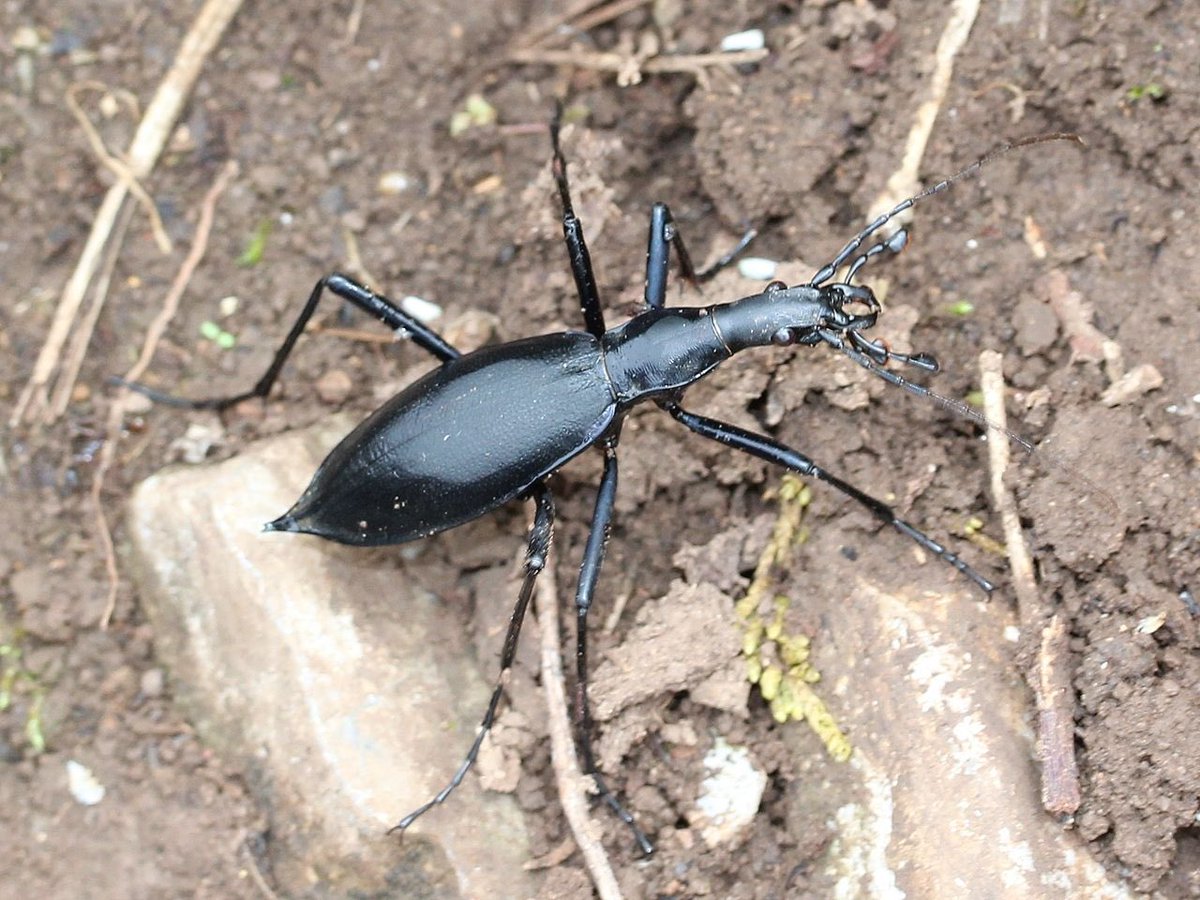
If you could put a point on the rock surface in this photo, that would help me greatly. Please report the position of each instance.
(349, 692)
(946, 789)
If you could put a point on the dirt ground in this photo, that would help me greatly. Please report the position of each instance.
(347, 161)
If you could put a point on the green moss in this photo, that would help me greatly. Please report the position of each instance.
(776, 660)
(17, 680)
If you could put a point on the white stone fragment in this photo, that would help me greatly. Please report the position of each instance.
(424, 311)
(84, 786)
(756, 268)
(751, 39)
(730, 795)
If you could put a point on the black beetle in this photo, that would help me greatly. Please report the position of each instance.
(490, 426)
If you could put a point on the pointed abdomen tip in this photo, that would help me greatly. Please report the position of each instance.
(286, 522)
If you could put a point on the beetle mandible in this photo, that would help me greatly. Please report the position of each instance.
(417, 465)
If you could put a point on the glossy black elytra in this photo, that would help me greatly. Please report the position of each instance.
(491, 426)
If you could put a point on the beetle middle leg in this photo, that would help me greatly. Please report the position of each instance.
(589, 572)
(377, 305)
(774, 452)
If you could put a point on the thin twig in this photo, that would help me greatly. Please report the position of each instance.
(255, 872)
(144, 151)
(542, 32)
(1051, 678)
(572, 793)
(116, 414)
(113, 163)
(1029, 604)
(1056, 722)
(76, 350)
(905, 180)
(354, 21)
(617, 62)
(607, 13)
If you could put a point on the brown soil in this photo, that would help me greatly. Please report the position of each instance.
(800, 146)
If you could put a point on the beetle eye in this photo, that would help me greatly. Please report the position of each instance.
(783, 337)
(776, 286)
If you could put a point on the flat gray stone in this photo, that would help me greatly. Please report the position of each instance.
(946, 792)
(348, 690)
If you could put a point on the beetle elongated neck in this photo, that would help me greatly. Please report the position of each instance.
(761, 319)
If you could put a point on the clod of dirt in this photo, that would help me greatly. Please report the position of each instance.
(687, 636)
(1133, 384)
(334, 387)
(1085, 515)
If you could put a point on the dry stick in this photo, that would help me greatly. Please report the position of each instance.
(572, 791)
(540, 33)
(1051, 681)
(607, 13)
(354, 21)
(147, 144)
(905, 181)
(255, 872)
(617, 62)
(78, 349)
(1029, 603)
(114, 164)
(154, 333)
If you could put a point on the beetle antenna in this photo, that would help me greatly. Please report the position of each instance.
(973, 169)
(826, 272)
(872, 355)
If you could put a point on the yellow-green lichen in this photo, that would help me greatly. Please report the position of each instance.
(973, 532)
(16, 679)
(777, 661)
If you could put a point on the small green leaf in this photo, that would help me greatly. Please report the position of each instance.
(33, 726)
(961, 308)
(256, 246)
(211, 331)
(1151, 89)
(476, 112)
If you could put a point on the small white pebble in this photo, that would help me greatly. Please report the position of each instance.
(730, 795)
(422, 310)
(25, 39)
(391, 183)
(228, 306)
(756, 268)
(1012, 633)
(743, 40)
(1151, 624)
(83, 785)
(972, 243)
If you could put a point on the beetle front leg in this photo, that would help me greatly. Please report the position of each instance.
(535, 560)
(664, 234)
(577, 251)
(377, 305)
(774, 452)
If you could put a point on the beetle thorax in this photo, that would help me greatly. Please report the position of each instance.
(661, 351)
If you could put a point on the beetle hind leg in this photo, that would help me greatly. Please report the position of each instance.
(535, 560)
(377, 305)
